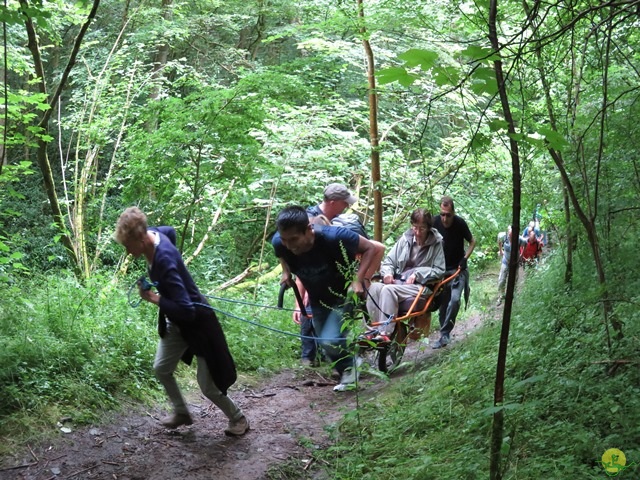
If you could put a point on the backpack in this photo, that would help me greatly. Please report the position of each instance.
(350, 221)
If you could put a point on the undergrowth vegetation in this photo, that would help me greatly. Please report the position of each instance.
(79, 350)
(568, 397)
(71, 350)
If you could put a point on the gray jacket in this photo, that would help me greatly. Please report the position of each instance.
(432, 264)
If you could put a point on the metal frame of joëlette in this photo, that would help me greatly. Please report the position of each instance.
(411, 313)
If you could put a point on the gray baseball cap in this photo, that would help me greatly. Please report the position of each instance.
(337, 191)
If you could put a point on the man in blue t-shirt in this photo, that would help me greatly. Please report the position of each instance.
(454, 231)
(322, 258)
(336, 199)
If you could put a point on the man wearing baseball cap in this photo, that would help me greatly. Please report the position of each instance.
(337, 198)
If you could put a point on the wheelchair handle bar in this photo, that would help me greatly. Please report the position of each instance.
(296, 292)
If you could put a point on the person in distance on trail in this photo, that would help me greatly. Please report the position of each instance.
(454, 231)
(535, 226)
(504, 245)
(187, 326)
(417, 257)
(336, 199)
(531, 250)
(321, 257)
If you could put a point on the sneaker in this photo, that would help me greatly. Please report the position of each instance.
(343, 387)
(442, 342)
(349, 377)
(381, 339)
(176, 420)
(369, 335)
(499, 302)
(307, 362)
(237, 428)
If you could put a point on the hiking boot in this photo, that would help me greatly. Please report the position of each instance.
(176, 420)
(237, 428)
(442, 342)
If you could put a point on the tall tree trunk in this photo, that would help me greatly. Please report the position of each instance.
(568, 274)
(125, 14)
(196, 188)
(588, 220)
(373, 127)
(42, 155)
(86, 171)
(497, 430)
(107, 179)
(4, 120)
(571, 238)
(258, 30)
(162, 55)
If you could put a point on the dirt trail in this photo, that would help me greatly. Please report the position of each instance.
(288, 415)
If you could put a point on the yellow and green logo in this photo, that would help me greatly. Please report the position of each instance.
(614, 462)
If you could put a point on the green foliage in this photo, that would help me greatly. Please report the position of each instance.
(23, 115)
(565, 404)
(68, 351)
(201, 142)
(11, 256)
(256, 108)
(71, 349)
(29, 241)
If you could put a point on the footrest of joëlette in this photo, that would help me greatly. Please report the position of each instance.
(371, 343)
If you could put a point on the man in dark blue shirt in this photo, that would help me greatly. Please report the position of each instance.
(454, 231)
(322, 257)
(186, 324)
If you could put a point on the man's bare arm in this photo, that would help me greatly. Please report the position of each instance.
(370, 253)
(472, 245)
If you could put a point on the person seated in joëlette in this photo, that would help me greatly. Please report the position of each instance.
(416, 258)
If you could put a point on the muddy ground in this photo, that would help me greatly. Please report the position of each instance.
(290, 416)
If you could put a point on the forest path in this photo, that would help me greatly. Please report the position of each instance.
(289, 415)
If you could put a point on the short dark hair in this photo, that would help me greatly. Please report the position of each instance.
(293, 217)
(422, 216)
(447, 201)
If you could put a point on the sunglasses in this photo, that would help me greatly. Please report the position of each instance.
(446, 214)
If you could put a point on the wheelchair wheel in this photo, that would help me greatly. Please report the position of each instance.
(390, 356)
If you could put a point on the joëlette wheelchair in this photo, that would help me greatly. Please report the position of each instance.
(412, 322)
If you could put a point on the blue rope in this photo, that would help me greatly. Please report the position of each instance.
(267, 327)
(141, 283)
(252, 304)
(146, 285)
